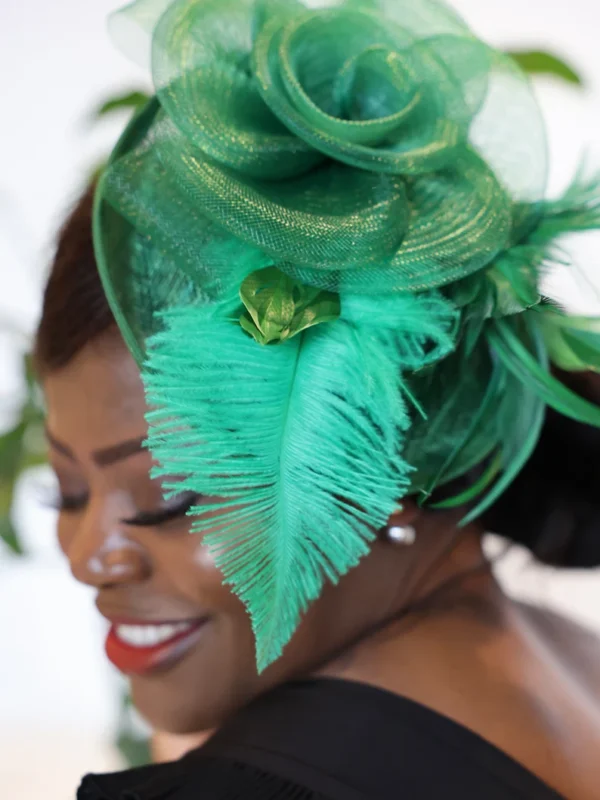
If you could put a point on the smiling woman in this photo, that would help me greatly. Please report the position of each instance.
(118, 532)
(306, 366)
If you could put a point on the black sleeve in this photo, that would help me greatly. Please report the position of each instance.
(211, 779)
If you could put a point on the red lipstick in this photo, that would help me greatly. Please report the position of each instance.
(141, 648)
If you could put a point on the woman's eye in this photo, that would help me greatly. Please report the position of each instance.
(70, 503)
(176, 509)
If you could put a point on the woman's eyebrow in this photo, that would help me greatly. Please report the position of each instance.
(107, 455)
(119, 452)
(59, 446)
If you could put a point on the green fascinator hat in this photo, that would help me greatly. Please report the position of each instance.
(323, 241)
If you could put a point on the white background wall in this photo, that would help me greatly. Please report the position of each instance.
(57, 694)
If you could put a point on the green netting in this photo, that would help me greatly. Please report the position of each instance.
(340, 138)
(372, 148)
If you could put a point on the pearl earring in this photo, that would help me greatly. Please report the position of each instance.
(401, 535)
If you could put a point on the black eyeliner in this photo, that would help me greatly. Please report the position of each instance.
(150, 519)
(67, 503)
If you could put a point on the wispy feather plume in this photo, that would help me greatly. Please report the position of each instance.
(577, 210)
(297, 448)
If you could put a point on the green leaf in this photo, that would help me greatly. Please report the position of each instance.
(129, 101)
(134, 749)
(9, 536)
(32, 460)
(11, 453)
(268, 295)
(278, 308)
(326, 308)
(539, 62)
(12, 450)
(21, 447)
(29, 372)
(249, 326)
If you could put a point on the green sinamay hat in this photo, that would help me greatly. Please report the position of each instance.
(323, 241)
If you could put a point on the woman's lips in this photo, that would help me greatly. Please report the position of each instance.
(141, 648)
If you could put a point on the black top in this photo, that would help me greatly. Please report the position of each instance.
(331, 740)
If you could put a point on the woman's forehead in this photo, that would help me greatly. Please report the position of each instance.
(97, 399)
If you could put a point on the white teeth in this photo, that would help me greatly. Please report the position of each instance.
(150, 635)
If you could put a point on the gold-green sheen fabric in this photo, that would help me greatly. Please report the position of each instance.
(323, 241)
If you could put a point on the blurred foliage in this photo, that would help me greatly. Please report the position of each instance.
(21, 448)
(133, 746)
(538, 62)
(129, 101)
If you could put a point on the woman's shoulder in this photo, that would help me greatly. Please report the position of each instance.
(330, 740)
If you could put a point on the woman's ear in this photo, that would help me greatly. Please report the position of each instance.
(401, 525)
(406, 514)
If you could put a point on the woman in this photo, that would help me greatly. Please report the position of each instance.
(320, 307)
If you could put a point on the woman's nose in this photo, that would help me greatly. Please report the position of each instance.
(102, 558)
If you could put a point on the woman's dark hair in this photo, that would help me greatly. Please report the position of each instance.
(75, 310)
(553, 508)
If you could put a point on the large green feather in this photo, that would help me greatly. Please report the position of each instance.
(296, 447)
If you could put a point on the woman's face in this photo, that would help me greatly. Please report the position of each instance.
(181, 636)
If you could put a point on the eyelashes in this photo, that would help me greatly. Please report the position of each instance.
(177, 508)
(67, 503)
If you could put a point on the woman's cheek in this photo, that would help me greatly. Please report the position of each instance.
(203, 558)
(65, 533)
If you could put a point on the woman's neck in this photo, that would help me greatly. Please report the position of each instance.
(466, 650)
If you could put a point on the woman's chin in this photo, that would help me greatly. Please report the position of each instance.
(176, 711)
(199, 688)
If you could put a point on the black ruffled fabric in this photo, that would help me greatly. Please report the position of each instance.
(331, 740)
(218, 778)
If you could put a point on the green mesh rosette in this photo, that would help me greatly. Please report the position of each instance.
(322, 240)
